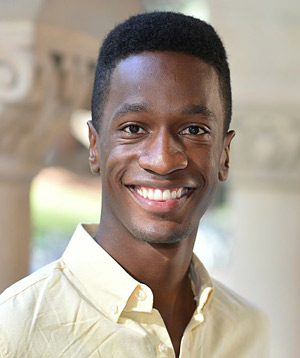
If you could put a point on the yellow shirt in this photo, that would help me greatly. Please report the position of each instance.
(85, 305)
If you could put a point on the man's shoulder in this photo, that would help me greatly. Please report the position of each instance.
(24, 304)
(28, 288)
(233, 305)
(238, 320)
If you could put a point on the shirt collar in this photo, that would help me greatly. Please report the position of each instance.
(109, 287)
(106, 283)
(201, 283)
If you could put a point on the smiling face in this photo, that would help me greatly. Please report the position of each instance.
(161, 149)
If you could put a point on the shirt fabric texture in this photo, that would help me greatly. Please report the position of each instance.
(85, 305)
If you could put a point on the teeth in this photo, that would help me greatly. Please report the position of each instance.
(145, 193)
(161, 195)
(178, 194)
(158, 194)
(166, 195)
(139, 191)
(150, 194)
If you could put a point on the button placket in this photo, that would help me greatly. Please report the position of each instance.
(201, 317)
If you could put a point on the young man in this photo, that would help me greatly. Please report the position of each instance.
(131, 287)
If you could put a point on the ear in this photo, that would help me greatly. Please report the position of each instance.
(94, 159)
(224, 161)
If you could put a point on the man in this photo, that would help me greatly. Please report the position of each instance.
(131, 287)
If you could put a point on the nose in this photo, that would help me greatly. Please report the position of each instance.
(163, 154)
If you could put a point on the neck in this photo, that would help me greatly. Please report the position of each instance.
(162, 267)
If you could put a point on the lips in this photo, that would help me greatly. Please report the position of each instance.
(157, 194)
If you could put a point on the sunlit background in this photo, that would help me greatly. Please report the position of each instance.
(249, 238)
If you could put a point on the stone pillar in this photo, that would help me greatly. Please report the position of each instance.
(40, 86)
(265, 204)
(15, 230)
(48, 52)
(16, 170)
(262, 43)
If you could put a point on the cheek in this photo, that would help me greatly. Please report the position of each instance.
(204, 159)
(205, 164)
(116, 160)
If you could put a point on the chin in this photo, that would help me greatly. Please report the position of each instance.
(162, 237)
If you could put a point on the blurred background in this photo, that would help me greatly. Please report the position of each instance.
(249, 239)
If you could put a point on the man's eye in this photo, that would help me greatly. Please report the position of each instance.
(134, 129)
(193, 130)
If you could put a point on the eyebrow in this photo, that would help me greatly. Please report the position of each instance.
(197, 109)
(192, 109)
(130, 108)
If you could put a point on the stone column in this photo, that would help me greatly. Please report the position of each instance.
(16, 171)
(48, 52)
(265, 204)
(262, 43)
(40, 86)
(15, 230)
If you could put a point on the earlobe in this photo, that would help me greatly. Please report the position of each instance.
(93, 149)
(224, 162)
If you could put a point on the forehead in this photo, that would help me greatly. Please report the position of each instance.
(165, 82)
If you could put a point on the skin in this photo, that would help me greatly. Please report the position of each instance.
(162, 127)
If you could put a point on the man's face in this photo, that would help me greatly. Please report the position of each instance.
(161, 148)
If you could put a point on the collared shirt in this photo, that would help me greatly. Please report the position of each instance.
(85, 305)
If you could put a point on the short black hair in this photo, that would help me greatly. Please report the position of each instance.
(160, 31)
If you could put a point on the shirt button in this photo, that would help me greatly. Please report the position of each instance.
(114, 308)
(141, 295)
(201, 317)
(162, 347)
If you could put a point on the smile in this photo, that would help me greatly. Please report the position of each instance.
(160, 200)
(156, 194)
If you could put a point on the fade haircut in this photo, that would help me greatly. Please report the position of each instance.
(160, 31)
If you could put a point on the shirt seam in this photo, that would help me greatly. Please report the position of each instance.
(32, 284)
